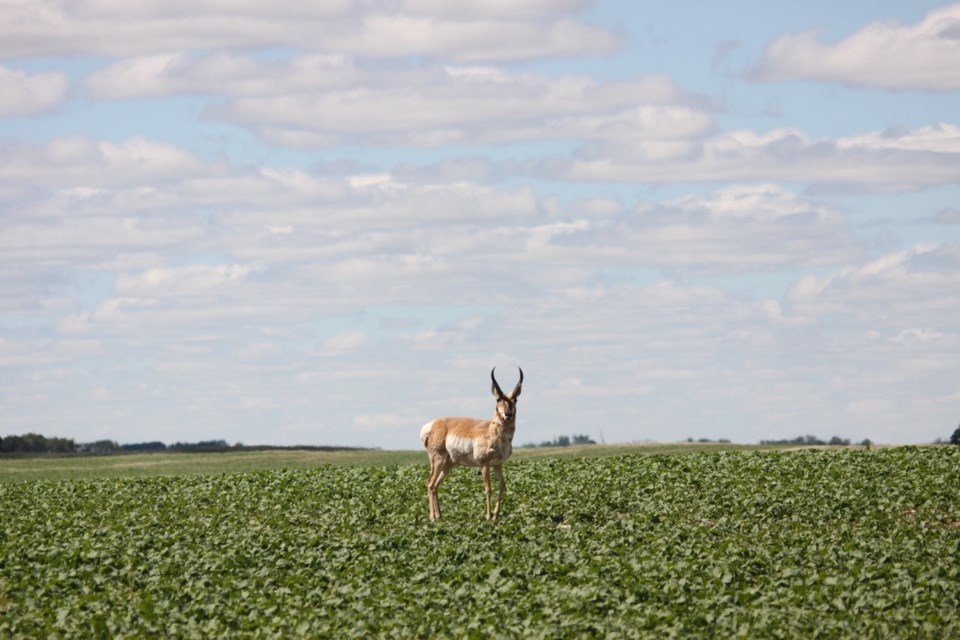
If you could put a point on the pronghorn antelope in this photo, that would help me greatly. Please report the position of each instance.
(472, 443)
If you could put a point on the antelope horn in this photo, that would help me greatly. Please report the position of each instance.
(496, 387)
(516, 389)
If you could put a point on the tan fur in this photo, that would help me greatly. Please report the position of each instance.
(474, 443)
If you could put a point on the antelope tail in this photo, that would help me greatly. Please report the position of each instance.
(425, 432)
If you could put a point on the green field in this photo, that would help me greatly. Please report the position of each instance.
(15, 469)
(858, 544)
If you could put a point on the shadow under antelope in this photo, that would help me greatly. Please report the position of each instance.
(472, 443)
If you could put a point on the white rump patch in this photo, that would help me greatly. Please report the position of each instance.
(425, 431)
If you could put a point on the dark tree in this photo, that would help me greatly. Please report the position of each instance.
(202, 445)
(144, 446)
(955, 438)
(36, 443)
(100, 447)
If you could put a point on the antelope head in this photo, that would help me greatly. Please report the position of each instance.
(506, 404)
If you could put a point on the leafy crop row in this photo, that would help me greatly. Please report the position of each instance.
(805, 544)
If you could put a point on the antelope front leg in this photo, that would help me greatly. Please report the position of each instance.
(485, 472)
(503, 491)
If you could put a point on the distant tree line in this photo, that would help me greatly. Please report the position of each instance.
(813, 440)
(109, 446)
(562, 441)
(144, 446)
(203, 445)
(36, 443)
(33, 443)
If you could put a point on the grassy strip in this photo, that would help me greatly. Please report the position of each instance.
(18, 469)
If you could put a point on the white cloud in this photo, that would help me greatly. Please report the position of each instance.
(24, 94)
(524, 9)
(922, 283)
(518, 9)
(897, 160)
(473, 106)
(242, 290)
(349, 301)
(663, 360)
(939, 138)
(735, 229)
(200, 279)
(392, 35)
(348, 341)
(884, 55)
(88, 240)
(379, 237)
(78, 161)
(36, 28)
(324, 100)
(225, 73)
(176, 8)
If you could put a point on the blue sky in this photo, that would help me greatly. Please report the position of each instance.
(324, 224)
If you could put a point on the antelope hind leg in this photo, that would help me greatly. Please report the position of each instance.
(430, 490)
(433, 483)
(444, 469)
(487, 491)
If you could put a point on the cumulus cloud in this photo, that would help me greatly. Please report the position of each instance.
(361, 239)
(65, 242)
(348, 341)
(736, 229)
(322, 100)
(468, 105)
(377, 237)
(894, 160)
(200, 279)
(24, 94)
(174, 8)
(885, 55)
(244, 289)
(287, 294)
(688, 341)
(531, 29)
(525, 9)
(923, 282)
(78, 161)
(759, 360)
(890, 322)
(393, 230)
(940, 138)
(228, 74)
(334, 268)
